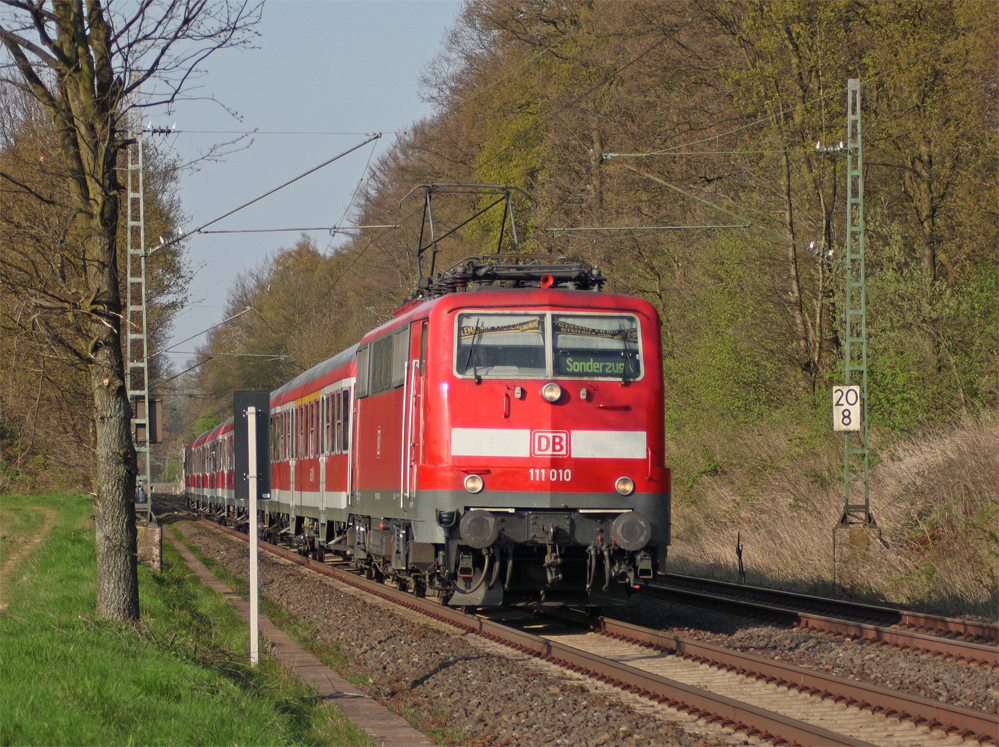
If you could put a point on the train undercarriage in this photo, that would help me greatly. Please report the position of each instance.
(519, 558)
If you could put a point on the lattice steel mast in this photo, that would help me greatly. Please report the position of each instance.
(856, 458)
(136, 340)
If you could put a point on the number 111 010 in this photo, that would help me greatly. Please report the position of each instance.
(553, 475)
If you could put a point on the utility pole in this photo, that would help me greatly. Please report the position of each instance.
(850, 411)
(136, 341)
(856, 458)
(146, 414)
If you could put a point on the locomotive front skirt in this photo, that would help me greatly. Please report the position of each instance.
(501, 446)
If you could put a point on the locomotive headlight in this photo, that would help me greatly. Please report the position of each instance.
(474, 484)
(551, 392)
(624, 485)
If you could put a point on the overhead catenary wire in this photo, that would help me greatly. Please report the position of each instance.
(353, 196)
(331, 229)
(202, 332)
(201, 229)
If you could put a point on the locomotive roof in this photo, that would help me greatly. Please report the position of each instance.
(505, 298)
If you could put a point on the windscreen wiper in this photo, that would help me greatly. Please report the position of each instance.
(624, 354)
(471, 349)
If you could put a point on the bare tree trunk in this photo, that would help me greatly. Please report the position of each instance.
(801, 322)
(114, 507)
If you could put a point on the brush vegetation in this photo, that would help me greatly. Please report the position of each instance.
(178, 677)
(779, 493)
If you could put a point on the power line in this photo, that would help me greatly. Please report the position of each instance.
(201, 229)
(331, 229)
(276, 132)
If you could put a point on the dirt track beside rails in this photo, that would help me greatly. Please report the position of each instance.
(449, 679)
(22, 545)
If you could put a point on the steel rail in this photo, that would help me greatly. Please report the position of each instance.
(787, 603)
(840, 607)
(754, 721)
(967, 722)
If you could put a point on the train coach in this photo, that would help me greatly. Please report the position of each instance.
(497, 443)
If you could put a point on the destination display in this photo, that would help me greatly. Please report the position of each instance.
(598, 364)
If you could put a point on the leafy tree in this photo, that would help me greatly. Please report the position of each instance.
(51, 425)
(936, 146)
(82, 62)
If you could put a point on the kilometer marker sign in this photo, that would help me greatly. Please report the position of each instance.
(846, 408)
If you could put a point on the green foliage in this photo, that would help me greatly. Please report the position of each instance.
(206, 421)
(909, 383)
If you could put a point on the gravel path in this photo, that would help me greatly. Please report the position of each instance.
(456, 683)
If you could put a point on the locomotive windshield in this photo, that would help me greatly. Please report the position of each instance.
(585, 346)
(501, 345)
(596, 346)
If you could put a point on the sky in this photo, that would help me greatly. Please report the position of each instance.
(343, 68)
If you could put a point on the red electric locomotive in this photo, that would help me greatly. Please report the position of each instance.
(498, 444)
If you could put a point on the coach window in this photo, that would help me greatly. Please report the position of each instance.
(300, 421)
(345, 433)
(320, 439)
(380, 366)
(312, 429)
(363, 361)
(335, 402)
(423, 348)
(300, 416)
(493, 345)
(330, 424)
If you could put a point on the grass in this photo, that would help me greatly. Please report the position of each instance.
(779, 490)
(180, 677)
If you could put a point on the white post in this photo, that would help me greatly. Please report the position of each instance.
(252, 485)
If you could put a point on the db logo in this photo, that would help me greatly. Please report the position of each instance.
(550, 443)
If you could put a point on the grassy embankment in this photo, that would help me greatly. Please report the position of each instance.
(180, 677)
(934, 497)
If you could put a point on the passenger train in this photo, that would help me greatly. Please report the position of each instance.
(500, 441)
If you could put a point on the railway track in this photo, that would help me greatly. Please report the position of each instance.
(776, 702)
(952, 638)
